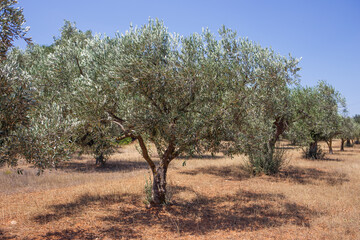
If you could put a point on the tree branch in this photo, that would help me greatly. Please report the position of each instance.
(145, 152)
(116, 118)
(78, 65)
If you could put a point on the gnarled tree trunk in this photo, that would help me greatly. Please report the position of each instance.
(159, 184)
(329, 143)
(270, 167)
(100, 160)
(313, 149)
(342, 144)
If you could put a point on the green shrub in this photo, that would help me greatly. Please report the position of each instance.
(266, 163)
(148, 191)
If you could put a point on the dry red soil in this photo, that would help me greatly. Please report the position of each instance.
(212, 197)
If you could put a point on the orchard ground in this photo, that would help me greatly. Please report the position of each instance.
(212, 197)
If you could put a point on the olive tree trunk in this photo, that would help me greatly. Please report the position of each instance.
(329, 143)
(159, 184)
(342, 144)
(271, 165)
(313, 150)
(348, 143)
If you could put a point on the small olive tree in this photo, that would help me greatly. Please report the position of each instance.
(318, 109)
(347, 131)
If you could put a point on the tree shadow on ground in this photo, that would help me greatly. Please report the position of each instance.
(235, 172)
(199, 157)
(244, 210)
(309, 176)
(346, 153)
(287, 147)
(110, 166)
(112, 232)
(4, 235)
(80, 204)
(327, 158)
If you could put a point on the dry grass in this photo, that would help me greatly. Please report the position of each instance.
(213, 198)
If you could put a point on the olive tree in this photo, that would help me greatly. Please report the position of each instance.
(357, 128)
(320, 107)
(15, 93)
(165, 90)
(347, 131)
(153, 86)
(15, 102)
(258, 106)
(54, 69)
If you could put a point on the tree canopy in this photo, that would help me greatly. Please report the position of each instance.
(181, 94)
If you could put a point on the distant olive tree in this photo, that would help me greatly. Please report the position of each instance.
(319, 118)
(348, 130)
(357, 128)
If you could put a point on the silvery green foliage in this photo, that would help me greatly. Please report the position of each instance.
(11, 25)
(184, 94)
(166, 86)
(61, 75)
(318, 113)
(257, 105)
(348, 129)
(46, 140)
(152, 85)
(39, 129)
(15, 96)
(15, 102)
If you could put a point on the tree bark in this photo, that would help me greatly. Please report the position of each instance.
(100, 160)
(268, 166)
(342, 144)
(159, 177)
(329, 143)
(159, 185)
(313, 149)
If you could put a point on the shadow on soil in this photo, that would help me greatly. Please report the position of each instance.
(110, 166)
(80, 204)
(228, 173)
(4, 235)
(199, 157)
(112, 232)
(244, 210)
(292, 174)
(310, 176)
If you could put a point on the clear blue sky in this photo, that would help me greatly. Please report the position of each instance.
(325, 33)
